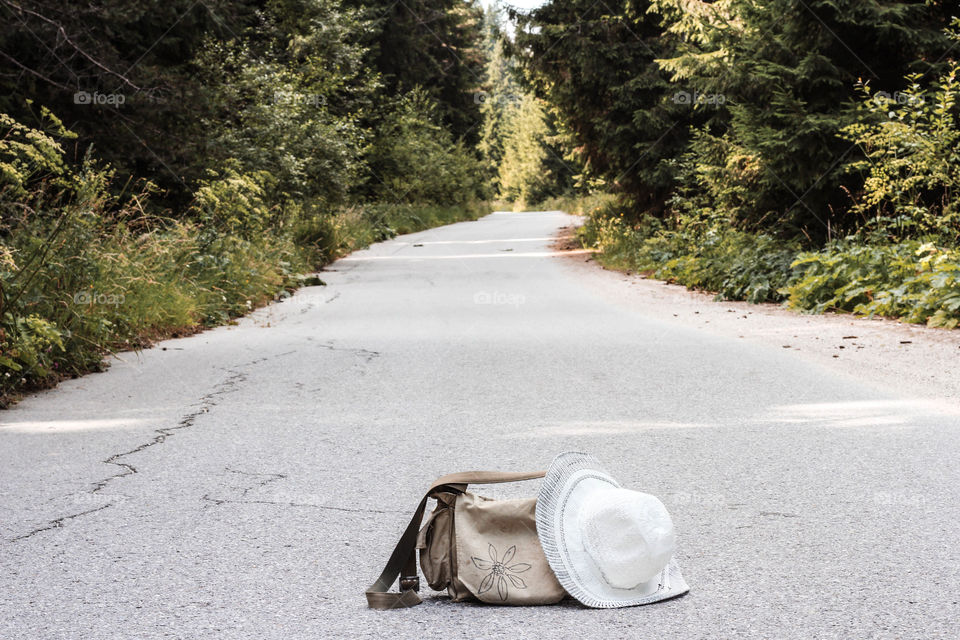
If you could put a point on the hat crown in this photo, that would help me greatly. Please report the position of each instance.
(628, 535)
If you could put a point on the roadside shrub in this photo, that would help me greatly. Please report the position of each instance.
(917, 282)
(912, 166)
(234, 203)
(734, 264)
(84, 272)
(415, 160)
(913, 281)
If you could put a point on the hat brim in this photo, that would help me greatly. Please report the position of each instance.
(572, 478)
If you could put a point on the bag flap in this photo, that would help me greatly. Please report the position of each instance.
(499, 558)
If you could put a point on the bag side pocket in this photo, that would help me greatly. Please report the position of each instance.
(435, 542)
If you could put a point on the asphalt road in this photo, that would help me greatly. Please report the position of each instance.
(250, 481)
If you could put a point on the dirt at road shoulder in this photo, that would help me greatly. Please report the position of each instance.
(900, 358)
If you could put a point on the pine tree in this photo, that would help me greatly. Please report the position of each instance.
(524, 176)
(594, 64)
(433, 44)
(500, 96)
(786, 72)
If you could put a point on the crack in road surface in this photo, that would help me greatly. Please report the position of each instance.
(271, 477)
(363, 356)
(58, 522)
(206, 403)
(366, 354)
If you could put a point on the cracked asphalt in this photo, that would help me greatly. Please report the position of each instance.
(250, 481)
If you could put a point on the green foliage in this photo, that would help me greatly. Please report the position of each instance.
(786, 73)
(911, 142)
(734, 264)
(917, 282)
(289, 105)
(909, 280)
(232, 203)
(414, 158)
(27, 343)
(28, 155)
(524, 175)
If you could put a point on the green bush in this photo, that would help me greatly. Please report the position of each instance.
(267, 122)
(913, 281)
(734, 264)
(917, 282)
(912, 166)
(415, 160)
(84, 271)
(234, 203)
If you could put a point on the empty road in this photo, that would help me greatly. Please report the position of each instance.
(250, 481)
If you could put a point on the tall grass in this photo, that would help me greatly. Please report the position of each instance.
(85, 272)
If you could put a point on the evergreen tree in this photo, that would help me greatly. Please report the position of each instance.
(501, 94)
(524, 176)
(786, 72)
(594, 63)
(120, 75)
(433, 44)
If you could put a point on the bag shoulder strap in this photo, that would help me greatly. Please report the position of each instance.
(404, 557)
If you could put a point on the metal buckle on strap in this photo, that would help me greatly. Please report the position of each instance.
(409, 582)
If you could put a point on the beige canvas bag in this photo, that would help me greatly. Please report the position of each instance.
(474, 547)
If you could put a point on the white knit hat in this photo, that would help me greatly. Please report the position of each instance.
(608, 546)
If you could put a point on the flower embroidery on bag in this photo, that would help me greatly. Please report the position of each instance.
(500, 571)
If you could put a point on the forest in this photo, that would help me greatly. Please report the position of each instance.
(803, 152)
(166, 167)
